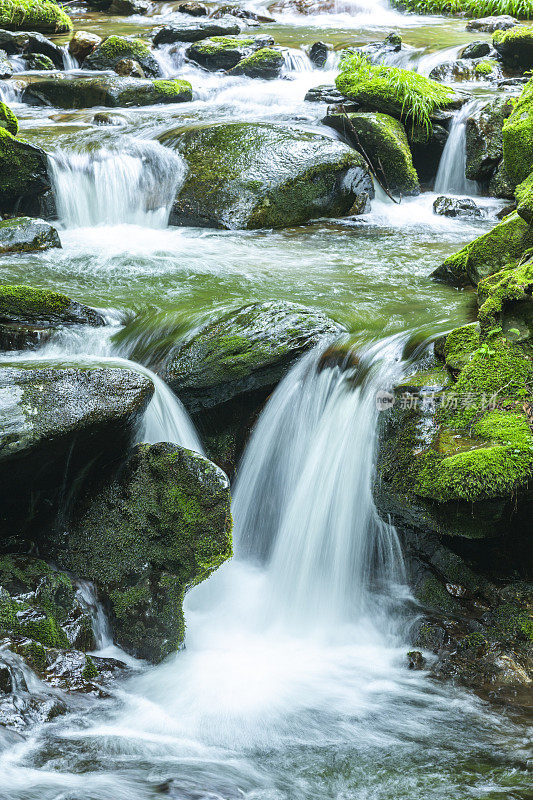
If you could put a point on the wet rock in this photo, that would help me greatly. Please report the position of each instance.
(196, 31)
(240, 13)
(456, 207)
(318, 53)
(6, 68)
(39, 62)
(426, 149)
(193, 9)
(491, 24)
(103, 118)
(13, 43)
(303, 6)
(82, 44)
(127, 8)
(517, 137)
(260, 175)
(484, 140)
(129, 68)
(377, 52)
(39, 44)
(244, 352)
(8, 120)
(59, 427)
(222, 52)
(163, 526)
(24, 174)
(113, 49)
(500, 184)
(383, 140)
(459, 70)
(416, 660)
(34, 15)
(26, 235)
(476, 50)
(515, 47)
(266, 63)
(76, 91)
(324, 94)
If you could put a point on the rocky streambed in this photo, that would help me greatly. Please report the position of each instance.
(265, 401)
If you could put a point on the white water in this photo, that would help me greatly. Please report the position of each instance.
(110, 187)
(451, 178)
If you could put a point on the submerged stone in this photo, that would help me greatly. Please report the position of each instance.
(456, 207)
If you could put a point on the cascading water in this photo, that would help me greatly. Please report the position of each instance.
(108, 187)
(451, 178)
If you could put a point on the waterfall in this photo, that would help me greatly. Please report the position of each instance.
(296, 60)
(111, 187)
(69, 61)
(101, 628)
(451, 178)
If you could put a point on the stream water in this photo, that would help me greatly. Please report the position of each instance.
(293, 684)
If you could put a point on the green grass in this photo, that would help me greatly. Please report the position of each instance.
(417, 95)
(522, 9)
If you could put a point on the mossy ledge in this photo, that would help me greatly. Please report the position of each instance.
(34, 15)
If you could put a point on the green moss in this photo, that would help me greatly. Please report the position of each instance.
(116, 48)
(8, 120)
(435, 378)
(485, 67)
(34, 15)
(460, 344)
(474, 641)
(8, 609)
(34, 655)
(518, 137)
(400, 92)
(29, 304)
(524, 199)
(89, 671)
(173, 89)
(433, 594)
(264, 63)
(217, 44)
(512, 621)
(45, 630)
(507, 286)
(22, 167)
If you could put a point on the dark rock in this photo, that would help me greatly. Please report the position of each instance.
(416, 660)
(24, 170)
(500, 184)
(427, 148)
(13, 42)
(454, 207)
(491, 24)
(39, 44)
(60, 426)
(221, 52)
(39, 62)
(196, 31)
(459, 70)
(163, 526)
(127, 8)
(260, 175)
(80, 91)
(266, 63)
(318, 53)
(476, 50)
(240, 13)
(129, 68)
(113, 49)
(324, 94)
(515, 47)
(484, 141)
(26, 235)
(193, 9)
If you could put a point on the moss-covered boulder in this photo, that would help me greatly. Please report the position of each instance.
(383, 139)
(26, 235)
(29, 316)
(68, 91)
(59, 426)
(484, 140)
(113, 49)
(266, 63)
(518, 137)
(34, 15)
(8, 120)
(39, 63)
(224, 52)
(162, 526)
(196, 31)
(23, 172)
(505, 243)
(502, 22)
(515, 46)
(262, 175)
(524, 200)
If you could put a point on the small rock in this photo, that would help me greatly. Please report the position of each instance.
(102, 118)
(455, 207)
(476, 50)
(82, 44)
(491, 24)
(26, 235)
(127, 67)
(36, 61)
(196, 31)
(6, 682)
(127, 8)
(416, 660)
(318, 53)
(192, 9)
(324, 94)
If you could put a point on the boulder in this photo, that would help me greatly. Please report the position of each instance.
(8, 120)
(37, 44)
(59, 428)
(262, 175)
(456, 207)
(24, 173)
(113, 49)
(324, 94)
(162, 526)
(80, 91)
(241, 13)
(462, 69)
(491, 24)
(265, 63)
(500, 184)
(318, 54)
(127, 8)
(484, 140)
(488, 254)
(224, 52)
(26, 235)
(196, 31)
(38, 62)
(518, 137)
(515, 47)
(36, 15)
(192, 8)
(524, 200)
(30, 316)
(378, 52)
(382, 139)
(82, 44)
(476, 50)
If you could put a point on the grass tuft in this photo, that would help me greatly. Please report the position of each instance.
(522, 9)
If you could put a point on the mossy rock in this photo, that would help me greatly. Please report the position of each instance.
(384, 141)
(460, 345)
(518, 137)
(68, 91)
(265, 63)
(486, 255)
(262, 175)
(484, 140)
(8, 120)
(225, 52)
(26, 235)
(515, 47)
(196, 31)
(524, 199)
(36, 61)
(115, 48)
(245, 351)
(24, 171)
(59, 428)
(34, 15)
(163, 526)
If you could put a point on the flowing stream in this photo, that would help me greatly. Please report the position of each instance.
(293, 684)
